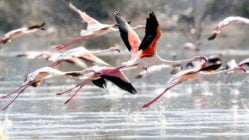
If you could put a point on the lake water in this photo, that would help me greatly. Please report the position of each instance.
(213, 108)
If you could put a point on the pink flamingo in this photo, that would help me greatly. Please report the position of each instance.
(144, 53)
(192, 74)
(21, 31)
(225, 22)
(82, 53)
(34, 79)
(99, 75)
(94, 28)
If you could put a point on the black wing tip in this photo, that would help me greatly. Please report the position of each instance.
(123, 29)
(100, 82)
(131, 89)
(41, 26)
(74, 74)
(151, 14)
(212, 37)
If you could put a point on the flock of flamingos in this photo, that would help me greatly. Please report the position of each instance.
(143, 55)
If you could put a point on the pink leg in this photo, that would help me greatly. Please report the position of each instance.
(5, 96)
(59, 47)
(155, 99)
(80, 86)
(61, 93)
(20, 92)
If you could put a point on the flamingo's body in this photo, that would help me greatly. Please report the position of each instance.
(21, 31)
(192, 74)
(34, 79)
(225, 22)
(98, 76)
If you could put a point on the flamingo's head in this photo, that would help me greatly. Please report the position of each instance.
(34, 83)
(200, 58)
(240, 69)
(4, 41)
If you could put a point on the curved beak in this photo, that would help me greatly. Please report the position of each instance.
(242, 69)
(203, 58)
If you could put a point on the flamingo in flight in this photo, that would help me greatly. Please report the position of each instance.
(144, 52)
(21, 31)
(225, 22)
(213, 63)
(81, 52)
(94, 28)
(98, 76)
(34, 79)
(192, 74)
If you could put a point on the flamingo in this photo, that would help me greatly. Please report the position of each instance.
(82, 53)
(144, 53)
(21, 31)
(192, 74)
(94, 28)
(34, 79)
(213, 63)
(98, 75)
(225, 22)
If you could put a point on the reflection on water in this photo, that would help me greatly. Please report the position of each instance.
(214, 109)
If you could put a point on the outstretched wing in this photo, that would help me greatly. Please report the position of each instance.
(84, 16)
(121, 83)
(128, 35)
(152, 35)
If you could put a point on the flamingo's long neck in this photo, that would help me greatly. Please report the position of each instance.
(172, 62)
(101, 51)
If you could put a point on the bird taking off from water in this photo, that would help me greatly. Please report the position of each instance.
(144, 53)
(98, 76)
(192, 74)
(34, 79)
